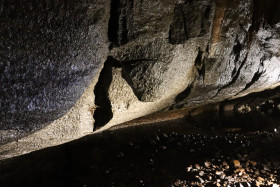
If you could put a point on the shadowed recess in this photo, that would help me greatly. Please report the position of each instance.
(103, 113)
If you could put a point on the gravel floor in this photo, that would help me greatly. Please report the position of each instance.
(158, 155)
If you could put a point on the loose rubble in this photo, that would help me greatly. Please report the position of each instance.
(167, 157)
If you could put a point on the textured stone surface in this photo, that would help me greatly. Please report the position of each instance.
(244, 48)
(190, 53)
(162, 55)
(49, 53)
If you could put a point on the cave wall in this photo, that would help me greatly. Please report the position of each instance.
(133, 58)
(50, 52)
(190, 53)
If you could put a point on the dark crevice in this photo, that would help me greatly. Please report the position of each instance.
(184, 94)
(205, 24)
(261, 11)
(267, 11)
(236, 50)
(178, 31)
(124, 38)
(118, 22)
(200, 64)
(103, 113)
(113, 26)
(255, 78)
(234, 79)
(184, 22)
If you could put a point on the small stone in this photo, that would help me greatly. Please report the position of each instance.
(263, 171)
(219, 172)
(197, 166)
(260, 179)
(257, 172)
(266, 168)
(224, 163)
(201, 173)
(201, 180)
(239, 170)
(189, 168)
(207, 164)
(236, 163)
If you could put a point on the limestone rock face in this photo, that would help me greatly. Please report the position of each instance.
(49, 53)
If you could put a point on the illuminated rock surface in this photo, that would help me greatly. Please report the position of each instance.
(157, 55)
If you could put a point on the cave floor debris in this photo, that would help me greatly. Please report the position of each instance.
(153, 155)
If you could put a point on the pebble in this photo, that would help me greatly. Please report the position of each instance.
(253, 163)
(197, 166)
(225, 163)
(201, 173)
(219, 172)
(236, 163)
(266, 168)
(189, 168)
(241, 171)
(207, 164)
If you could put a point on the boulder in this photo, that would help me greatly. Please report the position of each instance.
(50, 51)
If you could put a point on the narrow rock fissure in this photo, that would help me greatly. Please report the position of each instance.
(205, 24)
(237, 50)
(255, 78)
(178, 30)
(113, 26)
(184, 22)
(200, 64)
(234, 79)
(103, 113)
(184, 94)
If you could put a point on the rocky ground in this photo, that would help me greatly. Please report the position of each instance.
(166, 154)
